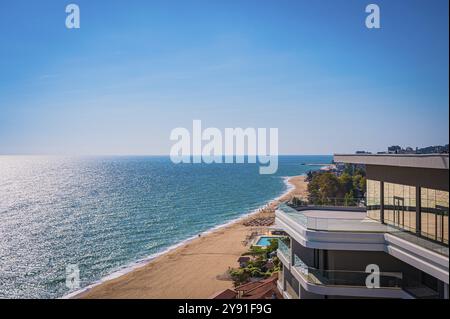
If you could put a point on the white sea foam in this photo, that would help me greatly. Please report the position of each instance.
(145, 261)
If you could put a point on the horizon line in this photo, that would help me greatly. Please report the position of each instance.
(154, 155)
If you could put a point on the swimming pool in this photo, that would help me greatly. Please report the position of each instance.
(264, 241)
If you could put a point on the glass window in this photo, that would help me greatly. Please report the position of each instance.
(400, 206)
(434, 214)
(373, 199)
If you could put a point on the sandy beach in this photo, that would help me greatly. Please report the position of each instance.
(197, 269)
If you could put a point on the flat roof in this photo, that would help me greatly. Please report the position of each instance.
(434, 161)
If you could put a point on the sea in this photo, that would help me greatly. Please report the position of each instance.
(100, 217)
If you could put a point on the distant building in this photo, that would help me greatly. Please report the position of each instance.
(440, 149)
(395, 149)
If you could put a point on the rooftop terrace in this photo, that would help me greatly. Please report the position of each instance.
(333, 219)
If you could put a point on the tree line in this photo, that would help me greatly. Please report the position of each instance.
(343, 188)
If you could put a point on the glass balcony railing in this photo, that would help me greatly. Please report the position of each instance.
(419, 291)
(291, 291)
(388, 280)
(330, 201)
(284, 249)
(331, 221)
(344, 278)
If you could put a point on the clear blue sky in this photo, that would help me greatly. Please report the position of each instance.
(137, 69)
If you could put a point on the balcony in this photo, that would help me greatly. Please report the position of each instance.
(393, 284)
(327, 219)
(284, 251)
(344, 278)
(350, 220)
(348, 283)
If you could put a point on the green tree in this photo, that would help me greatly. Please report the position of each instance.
(349, 199)
(323, 188)
(359, 185)
(240, 276)
(273, 246)
(326, 188)
(346, 184)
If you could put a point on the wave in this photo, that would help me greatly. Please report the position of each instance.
(147, 260)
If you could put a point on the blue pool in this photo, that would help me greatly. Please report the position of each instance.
(265, 240)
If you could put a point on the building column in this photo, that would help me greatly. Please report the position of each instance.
(382, 202)
(292, 255)
(418, 209)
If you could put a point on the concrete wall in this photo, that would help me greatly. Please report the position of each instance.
(309, 295)
(423, 177)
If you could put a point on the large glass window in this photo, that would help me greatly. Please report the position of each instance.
(434, 214)
(373, 199)
(400, 206)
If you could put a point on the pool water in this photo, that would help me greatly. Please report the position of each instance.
(265, 241)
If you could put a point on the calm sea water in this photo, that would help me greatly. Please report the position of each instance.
(106, 213)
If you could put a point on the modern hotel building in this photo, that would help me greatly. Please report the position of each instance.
(399, 235)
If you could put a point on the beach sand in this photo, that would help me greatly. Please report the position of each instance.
(197, 269)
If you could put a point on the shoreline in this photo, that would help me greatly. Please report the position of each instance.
(128, 281)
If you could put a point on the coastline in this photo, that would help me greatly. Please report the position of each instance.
(194, 268)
